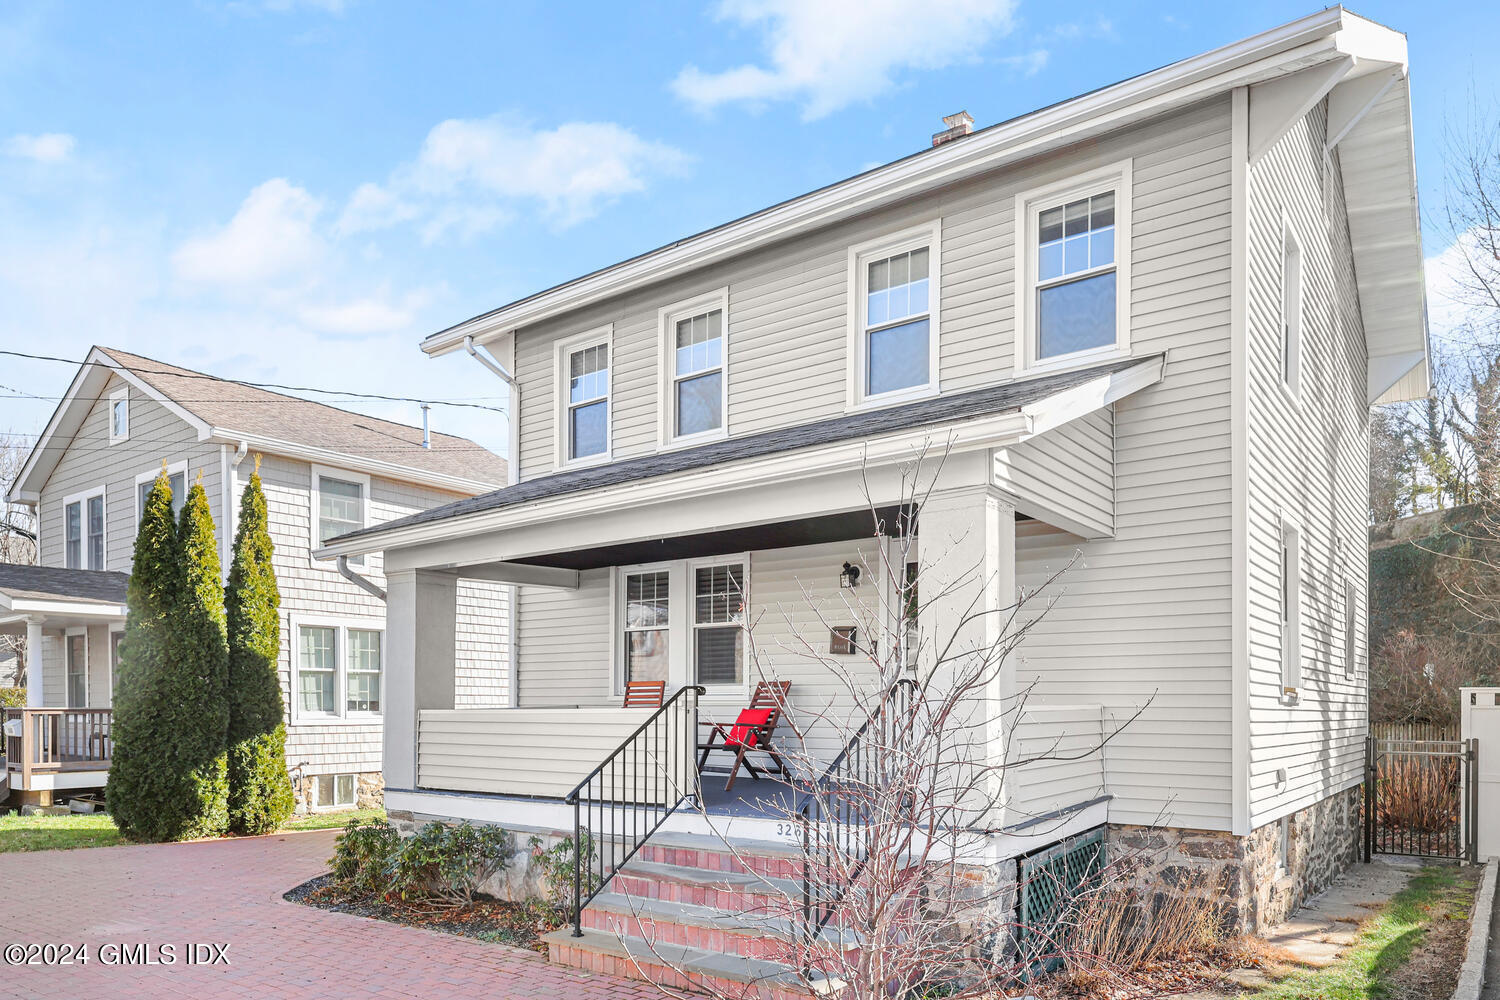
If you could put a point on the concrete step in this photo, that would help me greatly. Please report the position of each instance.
(680, 966)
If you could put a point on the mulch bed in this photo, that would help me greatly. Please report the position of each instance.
(495, 921)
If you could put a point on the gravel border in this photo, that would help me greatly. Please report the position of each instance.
(1471, 973)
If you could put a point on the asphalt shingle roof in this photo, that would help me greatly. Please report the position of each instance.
(927, 412)
(235, 406)
(44, 583)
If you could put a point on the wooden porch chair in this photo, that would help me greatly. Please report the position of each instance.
(645, 694)
(752, 732)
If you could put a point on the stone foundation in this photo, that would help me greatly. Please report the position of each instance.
(522, 880)
(1244, 873)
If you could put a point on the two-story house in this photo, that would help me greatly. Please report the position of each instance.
(1145, 325)
(325, 471)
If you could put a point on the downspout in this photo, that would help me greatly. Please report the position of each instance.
(513, 475)
(361, 582)
(230, 512)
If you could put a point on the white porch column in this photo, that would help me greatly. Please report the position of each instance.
(419, 671)
(967, 586)
(34, 663)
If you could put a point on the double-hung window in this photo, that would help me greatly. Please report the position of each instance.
(119, 415)
(583, 395)
(83, 530)
(694, 336)
(77, 669)
(176, 481)
(894, 313)
(1290, 611)
(338, 670)
(648, 620)
(342, 503)
(719, 624)
(1072, 273)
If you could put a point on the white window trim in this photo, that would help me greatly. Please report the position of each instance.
(337, 805)
(120, 395)
(680, 625)
(1028, 207)
(341, 624)
(666, 323)
(68, 634)
(560, 376)
(319, 473)
(1291, 628)
(1289, 336)
(173, 468)
(82, 499)
(929, 235)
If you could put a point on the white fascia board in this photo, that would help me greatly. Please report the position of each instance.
(30, 606)
(354, 463)
(982, 433)
(1326, 35)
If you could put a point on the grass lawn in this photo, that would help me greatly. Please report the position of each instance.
(50, 833)
(1398, 950)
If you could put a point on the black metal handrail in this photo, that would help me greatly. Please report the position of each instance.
(632, 792)
(830, 815)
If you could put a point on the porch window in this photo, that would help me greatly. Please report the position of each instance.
(647, 624)
(78, 679)
(114, 664)
(316, 669)
(896, 329)
(583, 393)
(718, 624)
(695, 388)
(83, 531)
(1073, 275)
(1291, 609)
(177, 481)
(342, 502)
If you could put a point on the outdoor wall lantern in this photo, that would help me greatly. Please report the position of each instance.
(849, 578)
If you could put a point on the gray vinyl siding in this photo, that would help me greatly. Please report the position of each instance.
(787, 331)
(1307, 459)
(89, 461)
(564, 644)
(1069, 470)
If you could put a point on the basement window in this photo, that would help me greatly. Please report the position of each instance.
(333, 791)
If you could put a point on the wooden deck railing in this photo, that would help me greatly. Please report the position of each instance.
(57, 739)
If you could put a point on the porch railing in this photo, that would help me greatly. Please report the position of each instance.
(46, 740)
(840, 802)
(629, 794)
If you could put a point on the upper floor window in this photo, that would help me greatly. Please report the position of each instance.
(119, 415)
(583, 380)
(695, 391)
(1291, 311)
(1351, 626)
(83, 530)
(1073, 271)
(894, 333)
(341, 501)
(176, 480)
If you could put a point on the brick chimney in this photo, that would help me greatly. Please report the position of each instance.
(959, 125)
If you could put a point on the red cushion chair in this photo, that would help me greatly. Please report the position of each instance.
(750, 732)
(746, 729)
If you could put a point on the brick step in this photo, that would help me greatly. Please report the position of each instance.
(680, 967)
(760, 857)
(733, 891)
(765, 935)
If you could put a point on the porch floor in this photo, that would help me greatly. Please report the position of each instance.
(767, 798)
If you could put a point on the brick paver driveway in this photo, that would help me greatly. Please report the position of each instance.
(229, 892)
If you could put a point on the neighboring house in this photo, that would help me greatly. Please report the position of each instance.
(324, 470)
(1146, 325)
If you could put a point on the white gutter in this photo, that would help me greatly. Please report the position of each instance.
(1305, 42)
(484, 357)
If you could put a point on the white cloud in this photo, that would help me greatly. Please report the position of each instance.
(827, 54)
(1452, 298)
(270, 237)
(1028, 63)
(473, 174)
(359, 316)
(48, 147)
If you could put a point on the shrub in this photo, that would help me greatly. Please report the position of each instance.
(260, 791)
(440, 867)
(555, 865)
(12, 697)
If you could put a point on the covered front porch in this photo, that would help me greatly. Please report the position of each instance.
(72, 621)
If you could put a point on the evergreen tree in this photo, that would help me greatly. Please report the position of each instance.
(141, 785)
(260, 792)
(200, 665)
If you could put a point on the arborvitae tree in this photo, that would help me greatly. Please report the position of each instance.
(260, 791)
(142, 783)
(200, 665)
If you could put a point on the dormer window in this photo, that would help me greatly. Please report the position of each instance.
(894, 333)
(1072, 271)
(695, 389)
(583, 384)
(119, 415)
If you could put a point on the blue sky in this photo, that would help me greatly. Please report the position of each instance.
(298, 191)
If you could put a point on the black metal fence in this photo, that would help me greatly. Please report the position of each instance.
(1420, 798)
